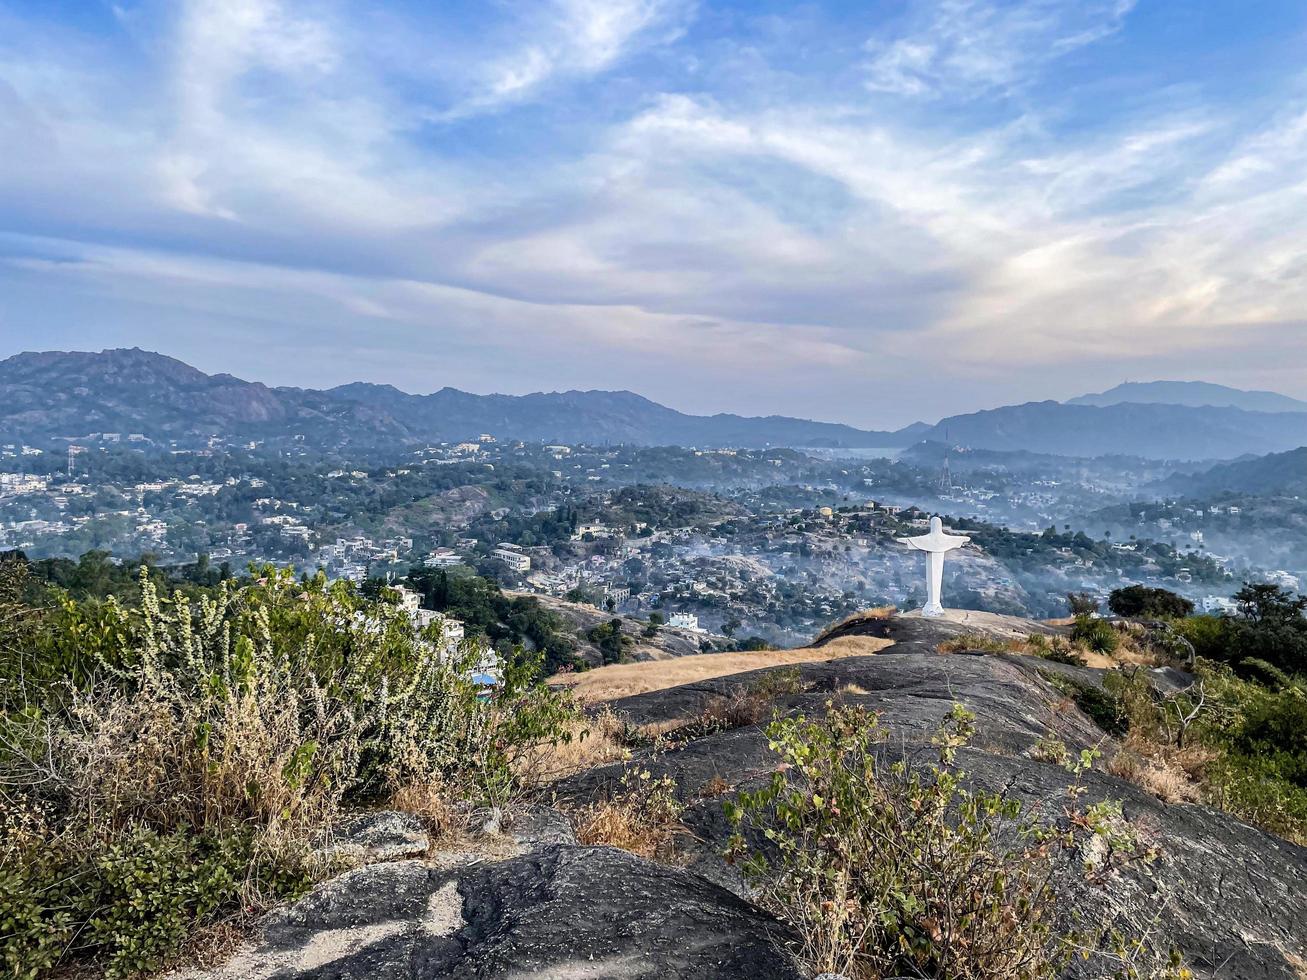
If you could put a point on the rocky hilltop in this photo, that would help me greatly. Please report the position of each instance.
(524, 899)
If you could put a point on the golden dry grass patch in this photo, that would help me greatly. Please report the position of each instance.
(1168, 772)
(643, 816)
(623, 680)
(589, 741)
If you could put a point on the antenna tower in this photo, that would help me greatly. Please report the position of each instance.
(945, 478)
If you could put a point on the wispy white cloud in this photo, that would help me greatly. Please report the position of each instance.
(974, 47)
(272, 167)
(564, 39)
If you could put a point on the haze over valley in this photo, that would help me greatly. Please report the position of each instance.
(768, 527)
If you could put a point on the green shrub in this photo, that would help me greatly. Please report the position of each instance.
(886, 870)
(1142, 602)
(1271, 626)
(133, 901)
(1096, 634)
(1104, 707)
(905, 868)
(1056, 649)
(1209, 635)
(181, 773)
(1268, 675)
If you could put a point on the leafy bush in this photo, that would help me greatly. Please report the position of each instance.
(1142, 602)
(1096, 634)
(1271, 626)
(180, 772)
(1254, 788)
(887, 870)
(131, 901)
(1057, 649)
(1101, 704)
(1081, 603)
(613, 644)
(1244, 743)
(1209, 635)
(903, 868)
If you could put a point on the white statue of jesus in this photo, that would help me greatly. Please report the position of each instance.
(935, 544)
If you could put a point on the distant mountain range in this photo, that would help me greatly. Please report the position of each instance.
(53, 395)
(598, 417)
(1195, 394)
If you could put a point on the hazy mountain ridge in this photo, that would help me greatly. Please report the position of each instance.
(1194, 394)
(53, 394)
(1154, 431)
(133, 391)
(45, 396)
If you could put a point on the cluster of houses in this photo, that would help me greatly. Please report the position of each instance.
(486, 669)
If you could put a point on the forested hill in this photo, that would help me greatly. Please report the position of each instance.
(1278, 473)
(53, 395)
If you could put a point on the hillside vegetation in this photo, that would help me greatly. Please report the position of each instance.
(167, 762)
(943, 798)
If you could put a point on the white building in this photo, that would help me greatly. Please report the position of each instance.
(515, 560)
(1283, 579)
(409, 600)
(685, 621)
(444, 558)
(594, 530)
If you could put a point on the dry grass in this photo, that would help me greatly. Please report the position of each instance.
(1171, 774)
(971, 642)
(741, 707)
(589, 742)
(207, 947)
(445, 822)
(642, 817)
(714, 786)
(1058, 648)
(623, 680)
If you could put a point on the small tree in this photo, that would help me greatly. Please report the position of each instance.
(1081, 603)
(1142, 602)
(906, 868)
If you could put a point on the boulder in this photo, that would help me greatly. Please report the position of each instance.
(382, 835)
(562, 912)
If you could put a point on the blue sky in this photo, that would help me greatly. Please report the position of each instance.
(793, 208)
